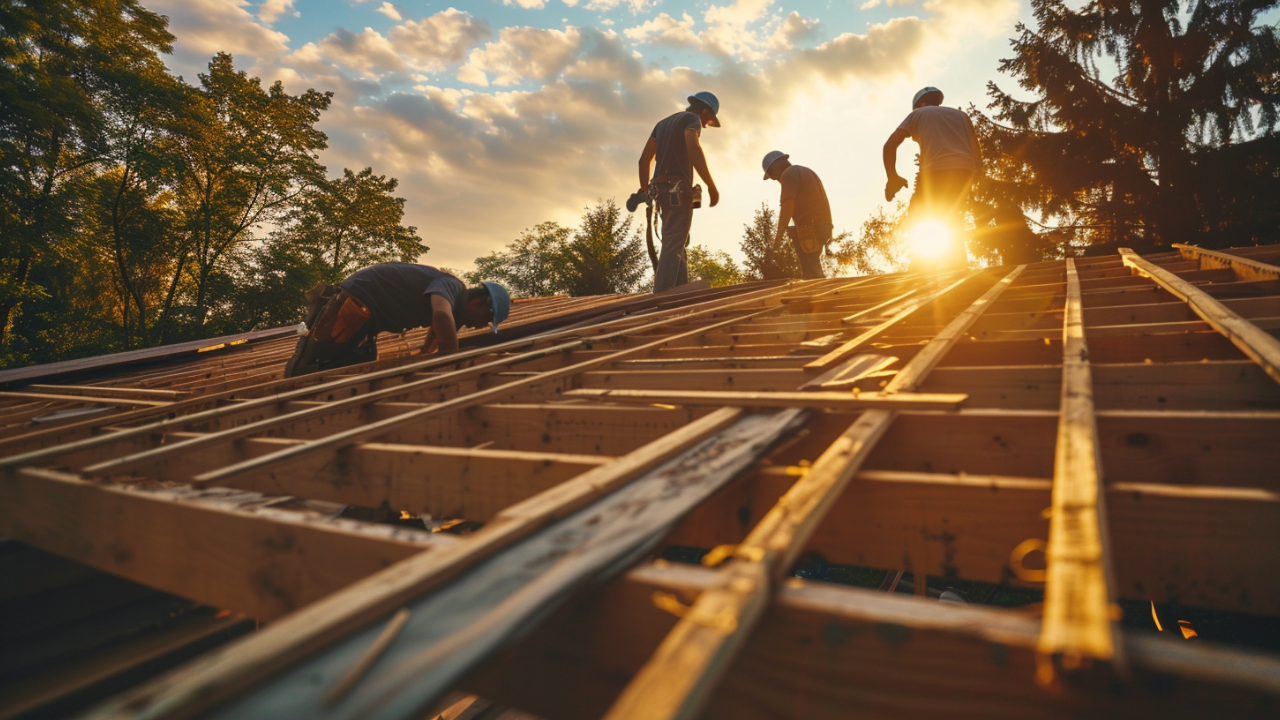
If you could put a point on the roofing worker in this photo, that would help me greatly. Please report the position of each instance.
(949, 158)
(344, 320)
(675, 146)
(805, 201)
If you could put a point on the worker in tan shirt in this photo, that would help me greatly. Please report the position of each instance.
(949, 159)
(805, 201)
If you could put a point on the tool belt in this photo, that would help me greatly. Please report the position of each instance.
(811, 237)
(334, 316)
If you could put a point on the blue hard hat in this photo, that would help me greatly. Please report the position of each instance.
(499, 302)
(710, 101)
(773, 157)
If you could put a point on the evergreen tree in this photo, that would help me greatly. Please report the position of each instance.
(1179, 146)
(605, 256)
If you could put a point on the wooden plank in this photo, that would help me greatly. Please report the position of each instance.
(1079, 623)
(331, 444)
(437, 481)
(852, 346)
(679, 677)
(228, 549)
(457, 626)
(219, 676)
(812, 400)
(1245, 268)
(1262, 347)
(826, 651)
(61, 397)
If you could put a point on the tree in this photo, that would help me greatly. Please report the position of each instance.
(61, 63)
(714, 266)
(246, 155)
(349, 223)
(1180, 146)
(765, 258)
(878, 247)
(530, 265)
(604, 256)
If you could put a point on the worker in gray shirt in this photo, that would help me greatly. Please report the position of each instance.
(805, 201)
(674, 145)
(343, 320)
(949, 159)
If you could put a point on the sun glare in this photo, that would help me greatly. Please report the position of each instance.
(930, 239)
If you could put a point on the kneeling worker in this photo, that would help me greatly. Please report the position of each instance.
(344, 320)
(804, 200)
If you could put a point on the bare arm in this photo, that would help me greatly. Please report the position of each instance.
(646, 162)
(895, 181)
(785, 212)
(446, 333)
(699, 160)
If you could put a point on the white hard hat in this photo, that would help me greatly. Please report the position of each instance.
(771, 158)
(915, 101)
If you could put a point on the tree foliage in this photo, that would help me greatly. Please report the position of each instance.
(766, 259)
(1179, 145)
(603, 255)
(714, 266)
(133, 205)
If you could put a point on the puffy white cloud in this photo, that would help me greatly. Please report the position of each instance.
(603, 5)
(206, 27)
(665, 30)
(368, 51)
(528, 4)
(271, 10)
(390, 11)
(869, 4)
(523, 54)
(440, 39)
(795, 28)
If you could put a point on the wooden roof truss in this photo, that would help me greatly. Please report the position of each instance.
(1103, 428)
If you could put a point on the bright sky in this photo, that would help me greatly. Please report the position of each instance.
(499, 114)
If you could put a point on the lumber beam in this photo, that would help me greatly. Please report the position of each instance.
(1262, 347)
(820, 400)
(218, 677)
(1245, 268)
(827, 651)
(678, 679)
(229, 549)
(1079, 623)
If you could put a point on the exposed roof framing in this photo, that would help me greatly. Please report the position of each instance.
(1099, 428)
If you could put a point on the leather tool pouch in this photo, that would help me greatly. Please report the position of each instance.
(811, 238)
(340, 319)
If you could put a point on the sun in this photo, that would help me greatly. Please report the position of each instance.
(930, 239)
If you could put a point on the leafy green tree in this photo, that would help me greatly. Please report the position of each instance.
(878, 247)
(61, 63)
(765, 258)
(605, 255)
(246, 155)
(602, 256)
(530, 265)
(714, 266)
(1179, 146)
(350, 223)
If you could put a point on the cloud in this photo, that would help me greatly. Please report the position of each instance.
(869, 4)
(390, 11)
(523, 54)
(527, 4)
(206, 27)
(604, 5)
(367, 51)
(272, 10)
(665, 30)
(793, 30)
(440, 39)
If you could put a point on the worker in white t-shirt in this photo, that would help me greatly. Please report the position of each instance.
(949, 158)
